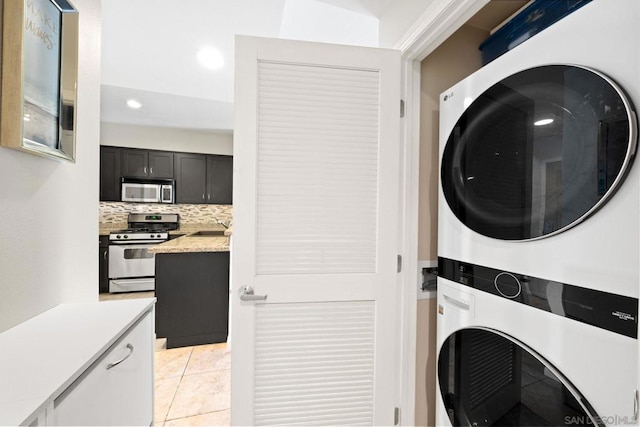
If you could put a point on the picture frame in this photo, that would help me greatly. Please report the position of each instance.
(39, 77)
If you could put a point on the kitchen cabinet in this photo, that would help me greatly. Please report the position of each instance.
(203, 178)
(137, 163)
(192, 291)
(191, 175)
(110, 161)
(103, 266)
(219, 179)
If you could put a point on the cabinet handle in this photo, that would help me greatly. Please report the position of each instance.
(202, 196)
(151, 170)
(117, 362)
(104, 255)
(145, 169)
(635, 405)
(209, 196)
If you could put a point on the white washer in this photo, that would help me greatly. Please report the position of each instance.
(602, 250)
(560, 298)
(504, 362)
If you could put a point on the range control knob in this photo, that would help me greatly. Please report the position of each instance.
(507, 285)
(152, 236)
(126, 236)
(118, 236)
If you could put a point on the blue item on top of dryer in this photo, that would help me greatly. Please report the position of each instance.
(534, 18)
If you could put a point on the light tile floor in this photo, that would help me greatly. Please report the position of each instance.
(192, 384)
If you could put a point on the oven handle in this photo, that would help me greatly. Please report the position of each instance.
(135, 242)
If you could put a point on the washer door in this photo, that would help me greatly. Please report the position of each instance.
(489, 379)
(538, 152)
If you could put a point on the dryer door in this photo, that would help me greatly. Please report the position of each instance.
(538, 152)
(489, 379)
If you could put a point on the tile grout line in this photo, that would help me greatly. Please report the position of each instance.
(177, 387)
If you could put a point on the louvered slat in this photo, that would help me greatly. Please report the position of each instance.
(317, 160)
(314, 363)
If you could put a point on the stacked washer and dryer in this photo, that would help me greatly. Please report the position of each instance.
(539, 225)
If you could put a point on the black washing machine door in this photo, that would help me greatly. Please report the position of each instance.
(538, 152)
(490, 379)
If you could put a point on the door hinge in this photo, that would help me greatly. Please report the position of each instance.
(402, 108)
(399, 263)
(396, 416)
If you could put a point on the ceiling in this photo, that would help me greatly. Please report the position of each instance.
(149, 50)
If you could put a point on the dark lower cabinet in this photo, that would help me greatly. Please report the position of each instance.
(103, 265)
(192, 292)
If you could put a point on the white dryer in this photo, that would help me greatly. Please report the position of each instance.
(539, 218)
(537, 151)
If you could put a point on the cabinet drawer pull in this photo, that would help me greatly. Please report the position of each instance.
(117, 362)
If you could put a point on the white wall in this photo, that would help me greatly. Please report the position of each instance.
(170, 139)
(49, 209)
(398, 19)
(312, 20)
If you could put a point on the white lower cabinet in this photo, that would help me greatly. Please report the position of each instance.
(117, 389)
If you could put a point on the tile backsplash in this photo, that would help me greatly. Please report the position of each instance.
(116, 212)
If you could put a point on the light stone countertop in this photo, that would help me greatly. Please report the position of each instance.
(105, 229)
(192, 243)
(187, 242)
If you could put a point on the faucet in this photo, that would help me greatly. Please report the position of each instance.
(222, 223)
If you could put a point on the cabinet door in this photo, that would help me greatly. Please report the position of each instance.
(191, 173)
(110, 174)
(135, 163)
(197, 311)
(160, 164)
(114, 395)
(219, 179)
(103, 263)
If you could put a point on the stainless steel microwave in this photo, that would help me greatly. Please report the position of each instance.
(147, 191)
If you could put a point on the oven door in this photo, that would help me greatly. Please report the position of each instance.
(131, 260)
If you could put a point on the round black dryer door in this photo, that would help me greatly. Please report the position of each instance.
(489, 379)
(538, 152)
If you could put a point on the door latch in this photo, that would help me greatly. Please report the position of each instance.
(247, 294)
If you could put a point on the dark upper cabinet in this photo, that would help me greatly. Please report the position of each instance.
(110, 160)
(138, 163)
(202, 178)
(191, 174)
(219, 179)
(199, 178)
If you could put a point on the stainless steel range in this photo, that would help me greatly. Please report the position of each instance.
(131, 265)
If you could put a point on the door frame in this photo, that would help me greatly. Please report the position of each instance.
(438, 22)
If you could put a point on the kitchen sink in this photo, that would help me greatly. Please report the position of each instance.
(207, 233)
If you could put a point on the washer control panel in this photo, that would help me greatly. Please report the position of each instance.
(613, 312)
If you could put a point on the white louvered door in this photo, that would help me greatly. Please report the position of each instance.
(316, 206)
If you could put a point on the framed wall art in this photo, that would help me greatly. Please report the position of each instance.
(39, 77)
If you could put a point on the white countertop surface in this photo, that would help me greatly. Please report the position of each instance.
(41, 357)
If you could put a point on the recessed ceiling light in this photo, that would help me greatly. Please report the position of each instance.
(211, 58)
(132, 103)
(543, 122)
